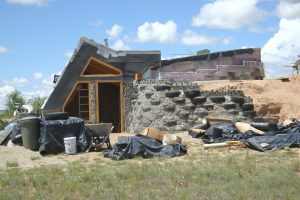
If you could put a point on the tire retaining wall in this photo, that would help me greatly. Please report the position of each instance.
(178, 106)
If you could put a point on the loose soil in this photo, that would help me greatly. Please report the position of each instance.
(271, 98)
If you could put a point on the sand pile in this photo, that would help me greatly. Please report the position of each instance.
(280, 97)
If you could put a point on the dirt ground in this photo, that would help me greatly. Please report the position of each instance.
(279, 97)
(28, 159)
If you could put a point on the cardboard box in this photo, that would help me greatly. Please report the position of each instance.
(153, 133)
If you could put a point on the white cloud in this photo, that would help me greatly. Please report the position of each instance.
(28, 2)
(157, 32)
(41, 93)
(288, 9)
(69, 54)
(227, 40)
(19, 82)
(95, 23)
(115, 31)
(282, 48)
(48, 82)
(37, 76)
(229, 14)
(192, 38)
(3, 49)
(119, 45)
(4, 91)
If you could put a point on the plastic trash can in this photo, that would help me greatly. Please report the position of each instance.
(30, 131)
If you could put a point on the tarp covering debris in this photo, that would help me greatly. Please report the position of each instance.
(271, 143)
(16, 136)
(53, 133)
(129, 147)
(274, 137)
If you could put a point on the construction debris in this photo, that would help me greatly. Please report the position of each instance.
(225, 144)
(244, 127)
(153, 133)
(241, 134)
(171, 139)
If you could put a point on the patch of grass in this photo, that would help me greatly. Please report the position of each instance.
(295, 166)
(12, 164)
(35, 158)
(242, 176)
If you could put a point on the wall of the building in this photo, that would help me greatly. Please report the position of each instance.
(170, 106)
(238, 66)
(128, 91)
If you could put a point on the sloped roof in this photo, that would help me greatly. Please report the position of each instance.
(130, 62)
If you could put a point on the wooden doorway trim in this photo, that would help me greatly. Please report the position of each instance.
(121, 99)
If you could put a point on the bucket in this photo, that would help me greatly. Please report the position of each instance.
(70, 145)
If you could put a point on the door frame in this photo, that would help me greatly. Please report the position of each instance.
(121, 100)
(72, 91)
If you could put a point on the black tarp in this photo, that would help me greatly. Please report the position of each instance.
(16, 136)
(130, 147)
(53, 133)
(271, 143)
(276, 137)
(284, 136)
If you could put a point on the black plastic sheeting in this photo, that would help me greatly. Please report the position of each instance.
(276, 137)
(16, 136)
(273, 142)
(129, 147)
(53, 133)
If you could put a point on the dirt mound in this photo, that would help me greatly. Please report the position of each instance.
(279, 97)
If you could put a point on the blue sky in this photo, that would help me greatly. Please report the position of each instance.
(38, 36)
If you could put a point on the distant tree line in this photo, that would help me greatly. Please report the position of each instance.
(16, 99)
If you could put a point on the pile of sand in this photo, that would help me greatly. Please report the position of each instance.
(280, 97)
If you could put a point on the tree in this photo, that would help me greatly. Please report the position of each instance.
(37, 103)
(14, 99)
